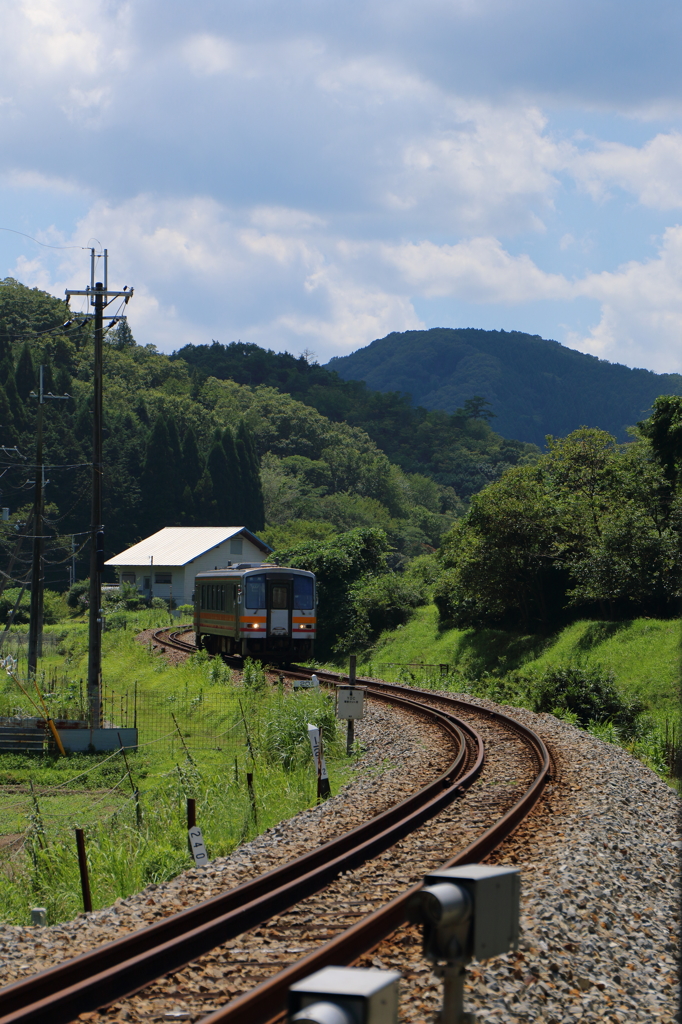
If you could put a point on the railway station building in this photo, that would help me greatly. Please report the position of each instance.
(165, 564)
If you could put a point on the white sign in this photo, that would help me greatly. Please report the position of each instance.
(350, 702)
(307, 684)
(318, 756)
(196, 845)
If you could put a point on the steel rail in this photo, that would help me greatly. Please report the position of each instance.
(119, 968)
(265, 1004)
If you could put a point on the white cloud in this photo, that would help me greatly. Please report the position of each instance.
(477, 270)
(493, 168)
(641, 311)
(652, 172)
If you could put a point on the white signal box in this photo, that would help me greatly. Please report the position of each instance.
(345, 995)
(350, 702)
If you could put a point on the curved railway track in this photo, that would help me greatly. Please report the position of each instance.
(111, 972)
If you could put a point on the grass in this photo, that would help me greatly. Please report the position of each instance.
(224, 727)
(642, 656)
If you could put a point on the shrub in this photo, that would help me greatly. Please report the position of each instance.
(589, 694)
(285, 733)
(253, 676)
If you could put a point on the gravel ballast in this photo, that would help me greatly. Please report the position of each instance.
(600, 899)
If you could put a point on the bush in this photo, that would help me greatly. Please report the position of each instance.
(286, 727)
(589, 694)
(253, 676)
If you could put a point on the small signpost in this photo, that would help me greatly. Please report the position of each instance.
(323, 787)
(350, 704)
(307, 684)
(197, 847)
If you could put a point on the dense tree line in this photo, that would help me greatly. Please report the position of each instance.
(456, 449)
(591, 530)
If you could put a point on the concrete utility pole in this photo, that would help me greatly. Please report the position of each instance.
(35, 629)
(99, 297)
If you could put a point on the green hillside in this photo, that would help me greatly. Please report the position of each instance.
(535, 387)
(642, 654)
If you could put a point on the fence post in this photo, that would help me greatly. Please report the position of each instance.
(252, 796)
(83, 866)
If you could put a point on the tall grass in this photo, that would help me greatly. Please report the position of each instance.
(224, 727)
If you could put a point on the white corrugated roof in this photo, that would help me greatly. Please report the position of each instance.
(178, 545)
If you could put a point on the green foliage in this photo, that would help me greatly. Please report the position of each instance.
(459, 452)
(588, 693)
(591, 527)
(285, 733)
(253, 676)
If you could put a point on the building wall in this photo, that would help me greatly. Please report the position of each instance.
(182, 577)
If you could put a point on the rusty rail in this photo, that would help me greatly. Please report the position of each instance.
(265, 1004)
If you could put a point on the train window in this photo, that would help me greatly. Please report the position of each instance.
(212, 597)
(202, 597)
(279, 595)
(221, 588)
(304, 595)
(255, 592)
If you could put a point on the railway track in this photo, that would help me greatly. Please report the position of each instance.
(109, 973)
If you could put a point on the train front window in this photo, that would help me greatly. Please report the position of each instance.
(279, 595)
(255, 592)
(304, 597)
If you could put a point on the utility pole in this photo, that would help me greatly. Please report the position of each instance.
(99, 297)
(35, 629)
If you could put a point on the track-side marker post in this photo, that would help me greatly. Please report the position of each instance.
(350, 704)
(323, 787)
(83, 867)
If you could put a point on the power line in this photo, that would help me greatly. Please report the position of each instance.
(44, 244)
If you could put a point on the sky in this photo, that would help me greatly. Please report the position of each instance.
(312, 175)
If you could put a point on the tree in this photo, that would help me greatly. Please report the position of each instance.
(664, 430)
(249, 471)
(158, 479)
(25, 373)
(587, 530)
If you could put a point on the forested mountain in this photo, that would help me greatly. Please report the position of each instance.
(183, 448)
(535, 387)
(457, 450)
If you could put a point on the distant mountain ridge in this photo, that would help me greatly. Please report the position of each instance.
(535, 386)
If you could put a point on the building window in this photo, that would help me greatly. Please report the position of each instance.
(128, 577)
(236, 546)
(164, 578)
(147, 583)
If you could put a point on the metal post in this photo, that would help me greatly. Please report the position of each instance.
(252, 797)
(83, 866)
(350, 736)
(453, 995)
(35, 626)
(95, 617)
(191, 812)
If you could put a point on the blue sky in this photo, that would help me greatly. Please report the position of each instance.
(312, 175)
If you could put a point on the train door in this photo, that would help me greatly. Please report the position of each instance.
(279, 608)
